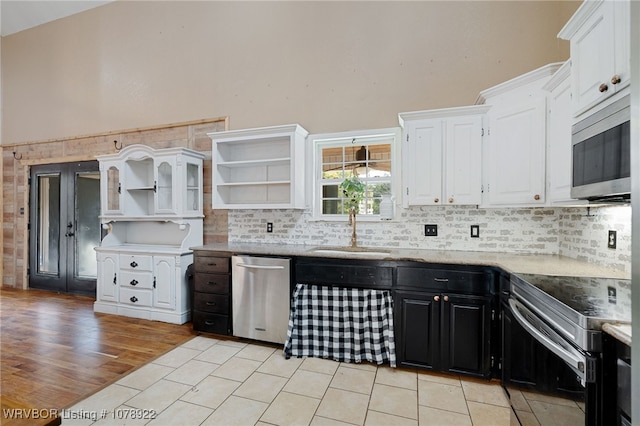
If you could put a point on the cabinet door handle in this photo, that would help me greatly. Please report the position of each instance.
(603, 88)
(451, 200)
(211, 303)
(615, 79)
(536, 197)
(436, 298)
(441, 280)
(133, 264)
(115, 279)
(212, 264)
(446, 298)
(209, 322)
(436, 200)
(134, 282)
(212, 283)
(133, 299)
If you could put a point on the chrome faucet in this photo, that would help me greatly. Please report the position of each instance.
(352, 222)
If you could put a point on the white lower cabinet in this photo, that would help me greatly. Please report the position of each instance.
(107, 288)
(149, 286)
(164, 282)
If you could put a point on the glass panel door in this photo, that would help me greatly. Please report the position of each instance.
(65, 227)
(48, 242)
(113, 189)
(88, 229)
(165, 189)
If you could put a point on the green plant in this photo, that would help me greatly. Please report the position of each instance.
(353, 190)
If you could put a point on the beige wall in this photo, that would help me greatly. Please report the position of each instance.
(327, 65)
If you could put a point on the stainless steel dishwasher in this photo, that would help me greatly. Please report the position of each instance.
(261, 299)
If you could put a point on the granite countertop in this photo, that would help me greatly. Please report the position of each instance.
(622, 332)
(510, 262)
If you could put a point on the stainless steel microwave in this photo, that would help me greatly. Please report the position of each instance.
(601, 162)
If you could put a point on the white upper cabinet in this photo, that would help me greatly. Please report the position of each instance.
(259, 168)
(599, 33)
(143, 183)
(514, 149)
(442, 156)
(559, 146)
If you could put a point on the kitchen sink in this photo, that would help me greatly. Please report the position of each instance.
(351, 250)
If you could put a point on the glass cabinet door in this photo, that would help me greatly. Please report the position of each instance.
(164, 189)
(113, 189)
(192, 199)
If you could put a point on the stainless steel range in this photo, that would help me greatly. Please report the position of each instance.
(553, 342)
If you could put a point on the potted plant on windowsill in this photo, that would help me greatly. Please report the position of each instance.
(353, 190)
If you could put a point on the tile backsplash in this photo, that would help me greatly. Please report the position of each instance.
(578, 232)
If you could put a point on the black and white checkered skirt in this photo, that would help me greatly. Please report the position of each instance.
(344, 324)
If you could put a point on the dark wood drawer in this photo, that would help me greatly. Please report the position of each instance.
(211, 283)
(214, 303)
(212, 264)
(437, 279)
(211, 323)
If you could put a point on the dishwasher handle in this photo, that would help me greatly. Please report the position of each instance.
(248, 266)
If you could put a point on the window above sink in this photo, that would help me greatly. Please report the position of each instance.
(371, 155)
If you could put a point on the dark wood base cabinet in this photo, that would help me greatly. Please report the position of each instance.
(212, 293)
(443, 332)
(444, 319)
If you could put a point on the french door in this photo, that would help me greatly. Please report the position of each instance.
(64, 227)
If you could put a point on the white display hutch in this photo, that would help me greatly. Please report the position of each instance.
(151, 205)
(260, 168)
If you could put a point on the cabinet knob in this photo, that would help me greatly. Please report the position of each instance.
(451, 200)
(536, 197)
(615, 79)
(134, 282)
(133, 264)
(446, 298)
(133, 299)
(603, 88)
(436, 298)
(436, 200)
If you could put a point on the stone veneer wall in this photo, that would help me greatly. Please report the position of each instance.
(564, 231)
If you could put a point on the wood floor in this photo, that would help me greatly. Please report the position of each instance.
(55, 351)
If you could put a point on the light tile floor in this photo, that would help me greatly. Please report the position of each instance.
(207, 381)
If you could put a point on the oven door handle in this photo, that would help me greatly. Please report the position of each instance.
(574, 359)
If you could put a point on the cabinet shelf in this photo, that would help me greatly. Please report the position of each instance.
(252, 163)
(271, 182)
(259, 168)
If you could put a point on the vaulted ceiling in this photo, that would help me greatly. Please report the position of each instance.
(19, 15)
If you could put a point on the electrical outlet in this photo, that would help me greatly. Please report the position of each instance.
(475, 231)
(611, 292)
(612, 241)
(269, 227)
(431, 230)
